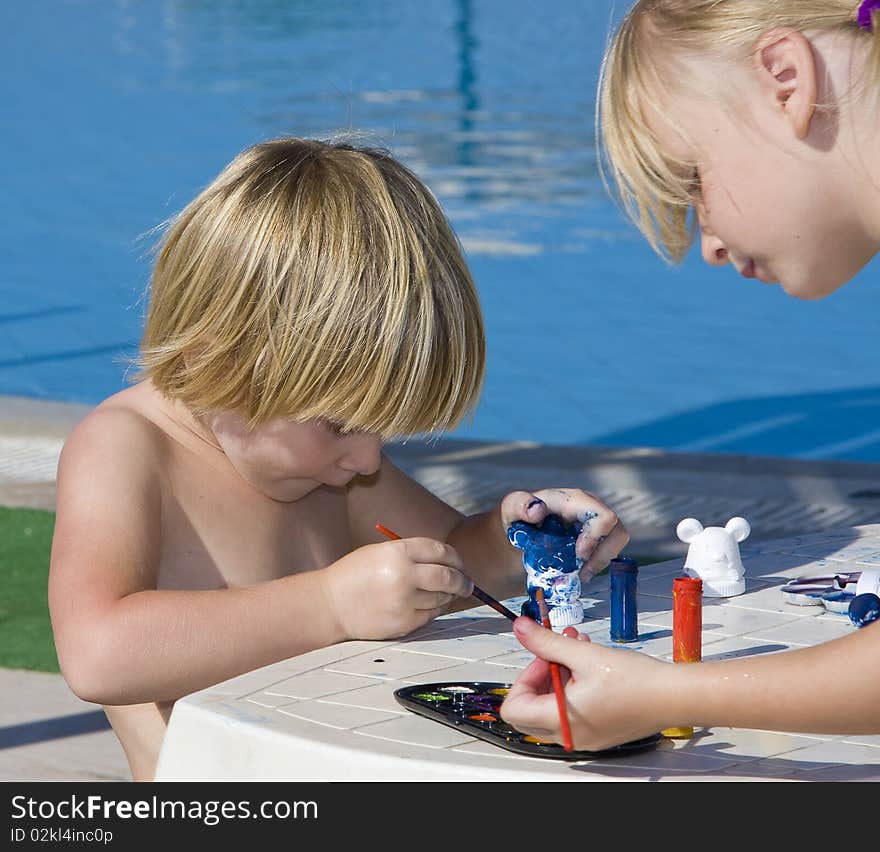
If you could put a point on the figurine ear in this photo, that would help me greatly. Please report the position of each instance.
(739, 528)
(518, 537)
(688, 529)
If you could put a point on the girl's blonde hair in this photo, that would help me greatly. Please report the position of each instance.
(650, 46)
(316, 279)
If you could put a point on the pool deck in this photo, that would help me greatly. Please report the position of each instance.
(49, 734)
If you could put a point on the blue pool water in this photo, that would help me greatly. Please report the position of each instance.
(118, 111)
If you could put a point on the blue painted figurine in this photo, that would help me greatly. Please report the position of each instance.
(551, 564)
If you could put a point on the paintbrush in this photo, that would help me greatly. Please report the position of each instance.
(555, 675)
(478, 593)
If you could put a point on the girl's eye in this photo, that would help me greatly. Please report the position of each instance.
(334, 426)
(696, 184)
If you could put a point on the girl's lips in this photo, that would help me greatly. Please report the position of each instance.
(764, 277)
(748, 271)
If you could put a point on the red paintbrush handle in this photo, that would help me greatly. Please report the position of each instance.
(555, 677)
(560, 706)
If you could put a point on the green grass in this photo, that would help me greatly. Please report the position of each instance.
(25, 630)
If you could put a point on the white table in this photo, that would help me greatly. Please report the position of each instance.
(331, 715)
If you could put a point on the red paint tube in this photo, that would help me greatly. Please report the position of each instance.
(687, 631)
(687, 620)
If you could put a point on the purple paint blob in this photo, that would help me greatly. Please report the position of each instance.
(485, 702)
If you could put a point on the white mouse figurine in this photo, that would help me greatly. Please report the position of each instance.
(713, 555)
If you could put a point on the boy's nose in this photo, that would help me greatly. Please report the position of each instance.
(363, 454)
(714, 251)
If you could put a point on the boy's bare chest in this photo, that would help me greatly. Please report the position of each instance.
(217, 534)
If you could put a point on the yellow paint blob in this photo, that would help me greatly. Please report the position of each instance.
(678, 733)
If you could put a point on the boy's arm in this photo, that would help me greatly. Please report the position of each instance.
(119, 639)
(392, 498)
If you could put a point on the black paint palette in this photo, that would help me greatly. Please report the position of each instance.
(472, 708)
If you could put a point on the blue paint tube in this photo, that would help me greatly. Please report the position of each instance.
(624, 603)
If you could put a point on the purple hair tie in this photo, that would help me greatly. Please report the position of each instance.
(865, 11)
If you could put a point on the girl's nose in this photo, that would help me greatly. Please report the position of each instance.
(714, 251)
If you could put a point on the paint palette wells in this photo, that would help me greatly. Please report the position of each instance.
(472, 707)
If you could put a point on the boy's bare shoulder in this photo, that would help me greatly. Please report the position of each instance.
(118, 433)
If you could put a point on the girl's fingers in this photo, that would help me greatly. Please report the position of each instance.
(534, 680)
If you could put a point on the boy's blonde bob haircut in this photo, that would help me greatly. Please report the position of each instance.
(646, 59)
(316, 279)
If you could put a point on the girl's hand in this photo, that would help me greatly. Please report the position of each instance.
(610, 693)
(386, 590)
(602, 537)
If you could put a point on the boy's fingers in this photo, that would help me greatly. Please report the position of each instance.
(605, 529)
(431, 600)
(523, 506)
(605, 549)
(432, 550)
(432, 577)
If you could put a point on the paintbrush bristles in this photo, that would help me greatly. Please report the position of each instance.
(542, 607)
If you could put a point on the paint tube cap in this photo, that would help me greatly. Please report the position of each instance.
(623, 564)
(864, 609)
(687, 585)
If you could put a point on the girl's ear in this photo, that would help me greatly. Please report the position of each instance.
(786, 70)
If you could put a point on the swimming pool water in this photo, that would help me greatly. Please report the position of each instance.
(117, 112)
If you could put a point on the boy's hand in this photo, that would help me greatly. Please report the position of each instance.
(602, 537)
(386, 590)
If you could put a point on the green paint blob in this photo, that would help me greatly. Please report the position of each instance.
(432, 696)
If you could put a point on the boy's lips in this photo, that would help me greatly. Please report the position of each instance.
(339, 479)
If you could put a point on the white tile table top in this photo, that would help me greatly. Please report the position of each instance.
(331, 714)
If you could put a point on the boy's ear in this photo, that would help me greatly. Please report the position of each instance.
(786, 70)
(191, 353)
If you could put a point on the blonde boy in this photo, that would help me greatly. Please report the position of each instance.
(310, 304)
